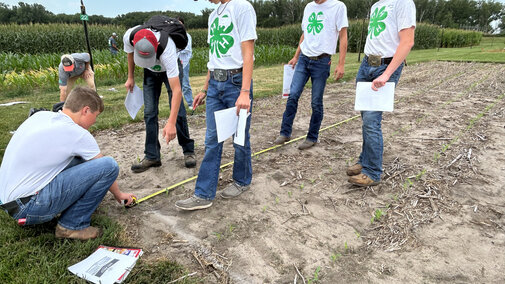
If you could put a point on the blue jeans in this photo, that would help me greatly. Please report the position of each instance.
(186, 87)
(76, 192)
(318, 71)
(373, 146)
(152, 91)
(222, 95)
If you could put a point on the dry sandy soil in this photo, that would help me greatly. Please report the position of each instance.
(437, 216)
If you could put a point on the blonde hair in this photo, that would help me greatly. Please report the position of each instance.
(81, 97)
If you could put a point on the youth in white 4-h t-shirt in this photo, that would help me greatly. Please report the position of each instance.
(321, 24)
(229, 25)
(387, 19)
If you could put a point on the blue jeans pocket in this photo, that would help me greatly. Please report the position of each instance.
(236, 79)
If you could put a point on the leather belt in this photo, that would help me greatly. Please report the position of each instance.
(376, 60)
(12, 207)
(321, 56)
(222, 75)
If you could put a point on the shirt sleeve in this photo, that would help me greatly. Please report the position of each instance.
(247, 24)
(169, 59)
(406, 14)
(86, 146)
(62, 76)
(82, 57)
(127, 46)
(342, 21)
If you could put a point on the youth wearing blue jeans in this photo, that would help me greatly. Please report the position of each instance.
(186, 87)
(76, 192)
(373, 146)
(153, 82)
(318, 71)
(222, 95)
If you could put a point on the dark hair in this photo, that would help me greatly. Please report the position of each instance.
(81, 97)
(181, 19)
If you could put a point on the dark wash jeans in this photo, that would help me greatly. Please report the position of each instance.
(318, 71)
(152, 91)
(373, 145)
(222, 95)
(76, 192)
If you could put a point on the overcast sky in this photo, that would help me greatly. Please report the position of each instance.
(112, 8)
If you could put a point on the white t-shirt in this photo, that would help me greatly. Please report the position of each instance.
(387, 19)
(168, 59)
(321, 24)
(229, 25)
(39, 150)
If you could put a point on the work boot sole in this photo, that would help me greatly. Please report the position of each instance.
(195, 207)
(364, 185)
(143, 169)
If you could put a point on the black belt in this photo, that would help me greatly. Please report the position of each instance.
(12, 207)
(384, 61)
(321, 56)
(222, 75)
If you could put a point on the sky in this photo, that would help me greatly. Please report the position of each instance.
(112, 8)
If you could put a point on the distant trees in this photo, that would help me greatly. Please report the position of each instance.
(469, 14)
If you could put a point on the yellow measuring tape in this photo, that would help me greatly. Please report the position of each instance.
(167, 189)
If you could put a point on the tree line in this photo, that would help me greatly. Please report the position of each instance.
(466, 14)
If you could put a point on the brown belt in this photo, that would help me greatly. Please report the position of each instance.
(321, 56)
(374, 60)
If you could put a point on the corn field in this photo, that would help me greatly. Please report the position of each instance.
(30, 54)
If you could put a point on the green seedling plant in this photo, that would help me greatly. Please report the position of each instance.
(377, 215)
(358, 235)
(302, 186)
(421, 174)
(315, 278)
(290, 194)
(408, 183)
(264, 209)
(277, 200)
(334, 257)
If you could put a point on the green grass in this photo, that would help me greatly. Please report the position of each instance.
(33, 255)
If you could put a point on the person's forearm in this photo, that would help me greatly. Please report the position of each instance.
(131, 66)
(342, 46)
(114, 189)
(298, 49)
(175, 86)
(402, 51)
(248, 65)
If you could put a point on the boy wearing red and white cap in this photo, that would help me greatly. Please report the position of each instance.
(167, 70)
(72, 67)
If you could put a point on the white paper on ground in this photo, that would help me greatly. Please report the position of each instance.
(134, 101)
(240, 133)
(13, 103)
(368, 99)
(289, 71)
(103, 266)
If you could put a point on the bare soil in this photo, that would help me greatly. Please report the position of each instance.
(437, 216)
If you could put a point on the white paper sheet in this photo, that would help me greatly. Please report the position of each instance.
(239, 138)
(103, 266)
(289, 71)
(368, 99)
(228, 124)
(134, 101)
(13, 103)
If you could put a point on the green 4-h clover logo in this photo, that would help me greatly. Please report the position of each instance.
(315, 26)
(376, 26)
(220, 40)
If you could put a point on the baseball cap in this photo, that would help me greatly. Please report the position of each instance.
(145, 46)
(68, 62)
(114, 34)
